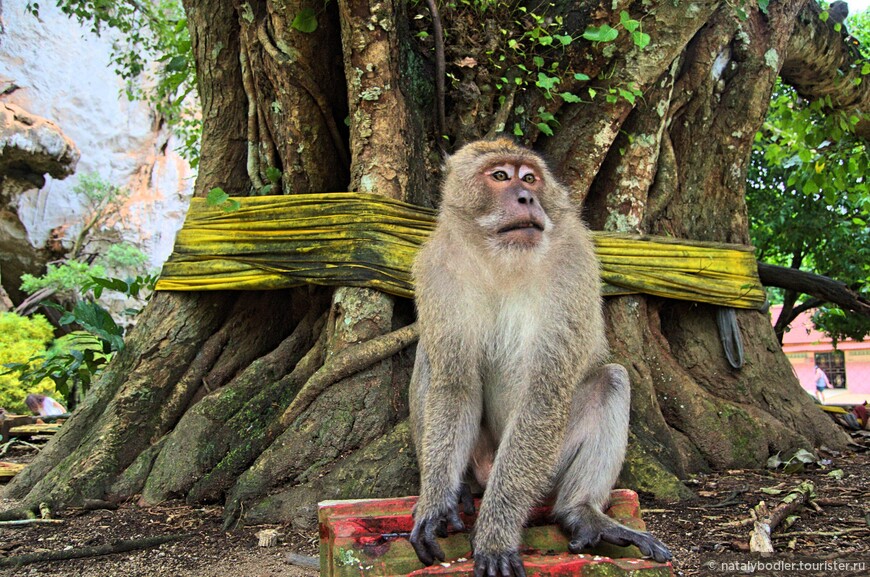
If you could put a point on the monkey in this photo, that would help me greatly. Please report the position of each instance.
(508, 383)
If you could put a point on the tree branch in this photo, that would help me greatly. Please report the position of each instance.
(821, 62)
(821, 287)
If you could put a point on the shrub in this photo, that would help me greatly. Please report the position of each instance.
(22, 339)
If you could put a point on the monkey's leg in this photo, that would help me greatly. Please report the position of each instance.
(590, 462)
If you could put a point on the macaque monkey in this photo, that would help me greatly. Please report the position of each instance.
(508, 381)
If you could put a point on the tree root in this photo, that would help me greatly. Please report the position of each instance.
(96, 551)
(346, 363)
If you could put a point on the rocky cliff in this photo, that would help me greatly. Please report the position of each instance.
(59, 74)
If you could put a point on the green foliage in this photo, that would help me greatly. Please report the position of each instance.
(70, 278)
(71, 364)
(76, 359)
(809, 198)
(122, 255)
(103, 201)
(66, 278)
(131, 287)
(154, 57)
(305, 21)
(22, 340)
(606, 33)
(527, 48)
(218, 197)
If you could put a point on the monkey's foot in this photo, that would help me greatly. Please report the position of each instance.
(426, 528)
(616, 534)
(506, 564)
(466, 499)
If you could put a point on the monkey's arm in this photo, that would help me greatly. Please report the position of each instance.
(522, 472)
(447, 398)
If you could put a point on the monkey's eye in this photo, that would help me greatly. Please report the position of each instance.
(530, 178)
(500, 175)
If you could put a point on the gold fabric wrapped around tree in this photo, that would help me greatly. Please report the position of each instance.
(357, 239)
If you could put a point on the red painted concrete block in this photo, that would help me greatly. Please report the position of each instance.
(370, 538)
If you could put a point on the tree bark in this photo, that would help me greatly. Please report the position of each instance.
(271, 401)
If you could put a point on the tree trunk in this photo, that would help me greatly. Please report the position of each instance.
(229, 397)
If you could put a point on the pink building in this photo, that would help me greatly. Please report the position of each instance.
(848, 367)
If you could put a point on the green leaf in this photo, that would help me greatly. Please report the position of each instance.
(517, 130)
(824, 16)
(627, 95)
(305, 21)
(627, 22)
(581, 77)
(641, 39)
(177, 64)
(603, 33)
(273, 174)
(570, 98)
(216, 196)
(774, 461)
(804, 456)
(809, 187)
(563, 39)
(539, 62)
(545, 40)
(543, 127)
(762, 5)
(547, 82)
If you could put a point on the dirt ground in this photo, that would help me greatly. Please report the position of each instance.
(703, 534)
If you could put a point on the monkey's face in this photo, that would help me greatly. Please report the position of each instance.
(514, 217)
(502, 196)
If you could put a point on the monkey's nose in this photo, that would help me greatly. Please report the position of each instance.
(525, 197)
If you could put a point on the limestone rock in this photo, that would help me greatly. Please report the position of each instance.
(32, 144)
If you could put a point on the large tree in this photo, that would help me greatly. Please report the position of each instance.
(649, 117)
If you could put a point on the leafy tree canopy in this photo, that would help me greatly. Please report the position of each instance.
(808, 195)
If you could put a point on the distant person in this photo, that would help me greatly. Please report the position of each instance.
(822, 383)
(860, 412)
(43, 406)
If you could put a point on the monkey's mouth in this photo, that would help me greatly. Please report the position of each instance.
(531, 225)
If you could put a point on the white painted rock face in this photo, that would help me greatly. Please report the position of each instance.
(63, 73)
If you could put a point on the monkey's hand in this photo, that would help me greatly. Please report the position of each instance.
(431, 524)
(504, 564)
